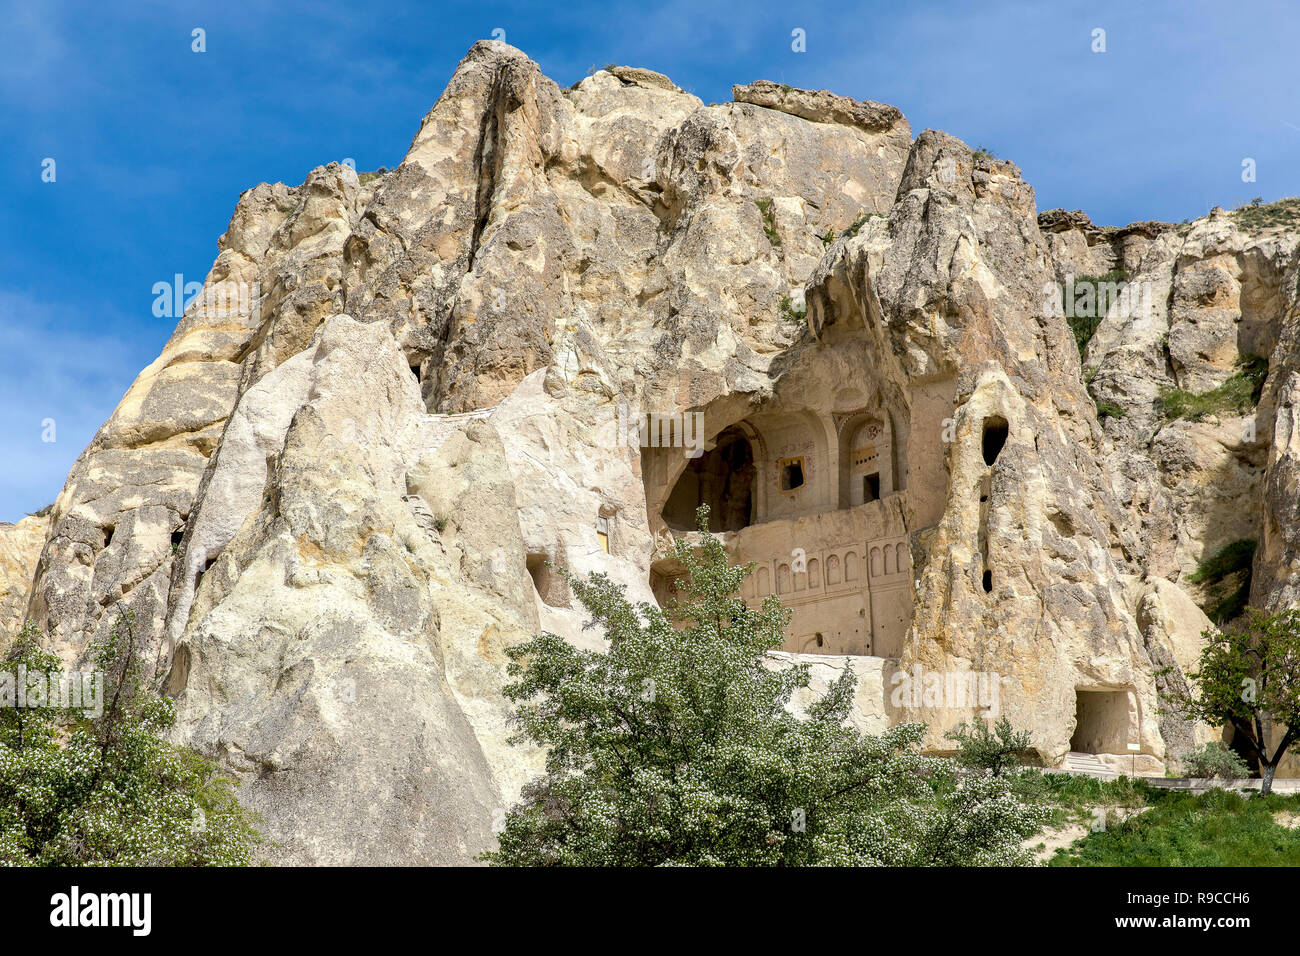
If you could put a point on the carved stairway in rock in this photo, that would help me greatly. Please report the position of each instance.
(1088, 765)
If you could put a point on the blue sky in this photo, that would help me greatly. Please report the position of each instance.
(153, 143)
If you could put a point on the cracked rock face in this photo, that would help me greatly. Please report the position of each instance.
(20, 548)
(402, 405)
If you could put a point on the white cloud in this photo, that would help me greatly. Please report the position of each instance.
(54, 367)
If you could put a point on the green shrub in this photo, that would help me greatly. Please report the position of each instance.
(989, 747)
(789, 311)
(1217, 828)
(1084, 320)
(1215, 759)
(1110, 410)
(858, 223)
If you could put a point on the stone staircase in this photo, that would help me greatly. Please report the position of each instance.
(1087, 765)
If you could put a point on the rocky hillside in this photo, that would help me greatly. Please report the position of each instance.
(344, 486)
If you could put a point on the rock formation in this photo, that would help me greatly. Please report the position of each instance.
(567, 318)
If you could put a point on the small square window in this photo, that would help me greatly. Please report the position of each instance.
(791, 470)
(870, 487)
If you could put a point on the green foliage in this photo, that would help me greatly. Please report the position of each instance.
(79, 789)
(440, 524)
(982, 154)
(1110, 410)
(1215, 759)
(1100, 293)
(769, 222)
(1249, 677)
(989, 747)
(364, 178)
(1285, 213)
(1238, 394)
(675, 747)
(1216, 828)
(1226, 576)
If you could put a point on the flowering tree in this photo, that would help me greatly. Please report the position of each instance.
(106, 788)
(676, 747)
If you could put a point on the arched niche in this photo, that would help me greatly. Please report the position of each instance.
(796, 464)
(868, 459)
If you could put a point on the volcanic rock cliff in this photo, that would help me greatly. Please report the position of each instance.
(333, 503)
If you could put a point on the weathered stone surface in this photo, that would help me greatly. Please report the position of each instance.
(822, 106)
(20, 548)
(319, 633)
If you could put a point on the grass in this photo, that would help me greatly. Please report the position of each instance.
(1073, 798)
(1226, 576)
(1239, 394)
(364, 178)
(1216, 828)
(982, 153)
(769, 222)
(1258, 215)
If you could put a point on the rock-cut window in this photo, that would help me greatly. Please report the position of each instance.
(791, 474)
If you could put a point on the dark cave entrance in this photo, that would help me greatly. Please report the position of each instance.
(723, 479)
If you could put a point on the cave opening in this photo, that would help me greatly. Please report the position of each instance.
(723, 478)
(549, 584)
(1101, 721)
(995, 436)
